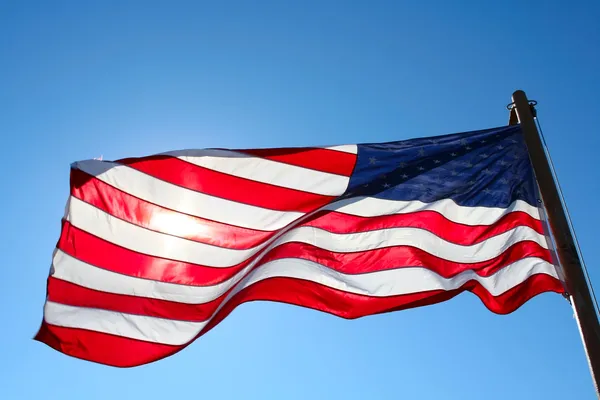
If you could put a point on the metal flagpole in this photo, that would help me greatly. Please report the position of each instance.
(576, 284)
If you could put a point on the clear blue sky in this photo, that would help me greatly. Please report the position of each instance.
(126, 78)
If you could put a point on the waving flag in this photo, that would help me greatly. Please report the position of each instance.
(155, 251)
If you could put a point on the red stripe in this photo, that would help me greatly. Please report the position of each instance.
(324, 160)
(64, 292)
(68, 293)
(404, 256)
(103, 254)
(140, 212)
(148, 215)
(431, 221)
(151, 216)
(122, 352)
(241, 190)
(101, 347)
(350, 305)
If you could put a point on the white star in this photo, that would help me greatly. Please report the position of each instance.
(422, 152)
(372, 160)
(487, 171)
(386, 185)
(463, 141)
(504, 181)
(484, 155)
(487, 191)
(404, 176)
(503, 163)
(499, 147)
(421, 169)
(483, 141)
(468, 148)
(436, 161)
(467, 164)
(453, 154)
(471, 183)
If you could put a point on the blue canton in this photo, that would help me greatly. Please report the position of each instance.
(488, 168)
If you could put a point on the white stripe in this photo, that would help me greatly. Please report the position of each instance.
(372, 207)
(266, 171)
(230, 212)
(122, 233)
(72, 270)
(185, 200)
(415, 237)
(345, 148)
(376, 284)
(399, 281)
(130, 236)
(151, 329)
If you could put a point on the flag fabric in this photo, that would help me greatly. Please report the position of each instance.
(155, 251)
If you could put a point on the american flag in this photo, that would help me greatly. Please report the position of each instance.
(155, 251)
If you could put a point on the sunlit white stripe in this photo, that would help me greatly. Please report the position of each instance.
(266, 171)
(122, 233)
(130, 236)
(376, 284)
(185, 200)
(372, 207)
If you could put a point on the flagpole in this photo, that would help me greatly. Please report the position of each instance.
(575, 282)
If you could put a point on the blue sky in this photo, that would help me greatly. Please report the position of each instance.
(128, 78)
